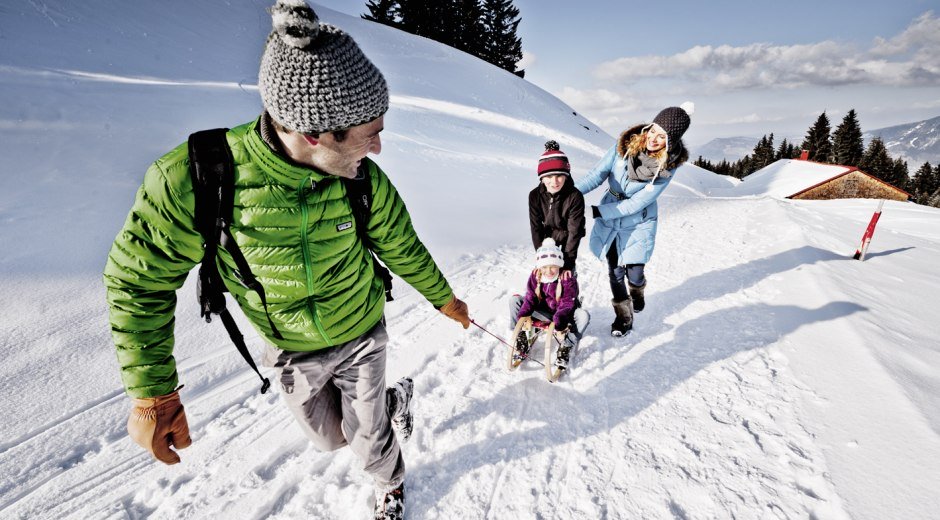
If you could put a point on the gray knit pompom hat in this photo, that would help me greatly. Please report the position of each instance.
(313, 77)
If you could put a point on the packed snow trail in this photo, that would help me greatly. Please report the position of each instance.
(693, 415)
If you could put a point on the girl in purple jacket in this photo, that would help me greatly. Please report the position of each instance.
(549, 298)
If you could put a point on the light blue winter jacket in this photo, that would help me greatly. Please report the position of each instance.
(631, 221)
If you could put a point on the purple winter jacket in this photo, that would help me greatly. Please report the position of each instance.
(562, 311)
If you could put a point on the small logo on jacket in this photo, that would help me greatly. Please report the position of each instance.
(344, 226)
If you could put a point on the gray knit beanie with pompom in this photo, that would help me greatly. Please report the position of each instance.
(314, 78)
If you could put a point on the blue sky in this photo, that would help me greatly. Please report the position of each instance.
(750, 67)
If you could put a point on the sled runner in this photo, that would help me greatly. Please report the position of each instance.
(526, 334)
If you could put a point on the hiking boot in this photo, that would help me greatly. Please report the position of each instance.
(390, 505)
(399, 407)
(636, 294)
(623, 323)
(561, 357)
(521, 349)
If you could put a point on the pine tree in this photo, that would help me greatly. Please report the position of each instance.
(469, 30)
(765, 154)
(385, 12)
(817, 141)
(743, 167)
(784, 151)
(723, 168)
(934, 198)
(484, 28)
(502, 47)
(847, 143)
(701, 162)
(900, 175)
(432, 19)
(876, 161)
(922, 184)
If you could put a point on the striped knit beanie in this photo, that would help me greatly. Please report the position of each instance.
(553, 161)
(314, 78)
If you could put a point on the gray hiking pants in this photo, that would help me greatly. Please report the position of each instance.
(338, 397)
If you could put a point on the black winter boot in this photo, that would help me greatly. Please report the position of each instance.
(521, 349)
(636, 294)
(564, 353)
(623, 323)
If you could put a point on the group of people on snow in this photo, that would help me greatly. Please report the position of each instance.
(323, 316)
(634, 171)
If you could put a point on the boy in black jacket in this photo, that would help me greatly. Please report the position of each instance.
(556, 207)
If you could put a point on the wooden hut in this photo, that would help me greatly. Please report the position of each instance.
(810, 180)
(851, 184)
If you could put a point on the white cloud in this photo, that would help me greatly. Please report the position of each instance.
(911, 58)
(528, 59)
(607, 108)
(924, 32)
(751, 118)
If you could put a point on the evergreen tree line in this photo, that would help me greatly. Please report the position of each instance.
(483, 28)
(843, 146)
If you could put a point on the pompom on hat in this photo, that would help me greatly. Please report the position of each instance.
(549, 254)
(553, 161)
(314, 78)
(675, 121)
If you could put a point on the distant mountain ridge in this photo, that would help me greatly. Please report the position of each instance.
(733, 148)
(727, 148)
(916, 142)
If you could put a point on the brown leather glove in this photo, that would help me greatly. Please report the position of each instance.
(457, 311)
(156, 423)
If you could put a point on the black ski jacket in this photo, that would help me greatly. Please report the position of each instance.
(560, 216)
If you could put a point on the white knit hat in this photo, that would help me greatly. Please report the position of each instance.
(549, 254)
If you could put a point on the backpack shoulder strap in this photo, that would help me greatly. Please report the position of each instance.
(211, 167)
(359, 193)
(210, 162)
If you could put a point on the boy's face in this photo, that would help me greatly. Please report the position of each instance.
(554, 183)
(549, 271)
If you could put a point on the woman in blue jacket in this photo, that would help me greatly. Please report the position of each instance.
(637, 170)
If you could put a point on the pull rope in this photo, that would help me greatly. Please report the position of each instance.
(501, 340)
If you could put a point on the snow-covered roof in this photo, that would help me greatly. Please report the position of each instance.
(787, 177)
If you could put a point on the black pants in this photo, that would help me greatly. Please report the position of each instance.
(631, 272)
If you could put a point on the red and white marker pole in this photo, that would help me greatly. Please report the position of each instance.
(866, 238)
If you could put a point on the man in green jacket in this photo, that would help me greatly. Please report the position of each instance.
(324, 106)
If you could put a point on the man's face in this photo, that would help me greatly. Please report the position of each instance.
(553, 183)
(342, 158)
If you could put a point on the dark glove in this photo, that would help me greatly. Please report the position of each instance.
(457, 311)
(156, 423)
(596, 213)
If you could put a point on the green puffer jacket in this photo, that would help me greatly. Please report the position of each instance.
(296, 229)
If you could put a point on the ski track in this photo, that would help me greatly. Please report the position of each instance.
(671, 417)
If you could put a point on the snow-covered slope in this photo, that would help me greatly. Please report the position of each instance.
(769, 376)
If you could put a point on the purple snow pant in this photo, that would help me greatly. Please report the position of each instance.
(338, 397)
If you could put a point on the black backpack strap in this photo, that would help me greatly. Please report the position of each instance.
(212, 171)
(359, 193)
